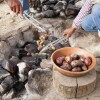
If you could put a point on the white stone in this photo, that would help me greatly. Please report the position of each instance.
(28, 35)
(4, 47)
(46, 63)
(15, 38)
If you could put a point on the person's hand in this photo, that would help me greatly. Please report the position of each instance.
(95, 1)
(15, 6)
(68, 32)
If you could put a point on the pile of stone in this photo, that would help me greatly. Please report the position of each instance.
(54, 8)
(24, 64)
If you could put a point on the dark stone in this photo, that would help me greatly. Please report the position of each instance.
(10, 66)
(51, 38)
(31, 48)
(3, 74)
(7, 84)
(18, 86)
(9, 95)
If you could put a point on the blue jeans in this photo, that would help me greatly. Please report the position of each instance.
(25, 5)
(91, 22)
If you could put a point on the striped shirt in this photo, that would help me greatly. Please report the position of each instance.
(85, 10)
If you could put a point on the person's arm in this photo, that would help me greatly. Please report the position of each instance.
(85, 10)
(15, 6)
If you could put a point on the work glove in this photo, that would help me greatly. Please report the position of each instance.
(95, 1)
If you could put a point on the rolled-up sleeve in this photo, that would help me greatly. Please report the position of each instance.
(85, 10)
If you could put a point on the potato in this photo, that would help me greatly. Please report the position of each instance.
(67, 65)
(76, 69)
(59, 60)
(40, 47)
(84, 68)
(53, 48)
(68, 59)
(76, 63)
(82, 58)
(74, 56)
(64, 67)
(88, 61)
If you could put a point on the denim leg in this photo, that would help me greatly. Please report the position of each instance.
(88, 24)
(91, 22)
(25, 5)
(96, 15)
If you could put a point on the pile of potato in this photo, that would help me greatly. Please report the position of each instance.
(74, 62)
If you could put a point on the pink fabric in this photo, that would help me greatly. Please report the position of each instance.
(85, 10)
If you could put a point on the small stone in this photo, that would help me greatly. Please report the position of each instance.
(31, 48)
(15, 59)
(15, 39)
(9, 95)
(10, 66)
(23, 78)
(46, 64)
(24, 68)
(7, 84)
(20, 43)
(28, 35)
(4, 47)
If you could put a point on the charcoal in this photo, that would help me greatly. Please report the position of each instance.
(51, 38)
(58, 46)
(9, 66)
(50, 13)
(35, 67)
(18, 86)
(7, 84)
(22, 53)
(36, 34)
(35, 60)
(29, 60)
(46, 14)
(62, 15)
(71, 2)
(47, 7)
(72, 10)
(23, 68)
(38, 58)
(3, 74)
(19, 52)
(61, 5)
(48, 2)
(37, 5)
(46, 42)
(31, 48)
